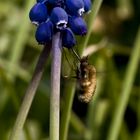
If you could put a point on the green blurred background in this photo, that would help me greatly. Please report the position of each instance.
(114, 36)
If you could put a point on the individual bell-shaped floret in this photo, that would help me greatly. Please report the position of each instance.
(59, 17)
(75, 7)
(38, 13)
(68, 39)
(44, 32)
(78, 25)
(87, 5)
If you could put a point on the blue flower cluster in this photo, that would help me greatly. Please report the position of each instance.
(65, 16)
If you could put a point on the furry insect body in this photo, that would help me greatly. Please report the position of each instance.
(86, 76)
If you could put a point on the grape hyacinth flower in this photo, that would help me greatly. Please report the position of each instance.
(75, 7)
(68, 39)
(38, 13)
(57, 21)
(78, 25)
(56, 2)
(59, 17)
(44, 32)
(87, 5)
(64, 16)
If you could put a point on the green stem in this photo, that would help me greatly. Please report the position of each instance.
(66, 112)
(20, 38)
(95, 9)
(17, 71)
(126, 90)
(30, 93)
(55, 87)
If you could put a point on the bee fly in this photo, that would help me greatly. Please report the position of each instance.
(86, 78)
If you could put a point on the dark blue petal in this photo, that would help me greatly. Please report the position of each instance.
(56, 2)
(38, 13)
(78, 25)
(59, 17)
(87, 5)
(75, 7)
(68, 39)
(41, 1)
(44, 32)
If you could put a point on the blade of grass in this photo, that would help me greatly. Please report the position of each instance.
(95, 9)
(77, 124)
(66, 112)
(30, 93)
(20, 39)
(69, 94)
(10, 90)
(18, 71)
(126, 90)
(55, 87)
(138, 116)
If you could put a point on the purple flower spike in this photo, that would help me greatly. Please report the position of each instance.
(75, 7)
(38, 13)
(87, 5)
(44, 32)
(59, 17)
(68, 39)
(78, 25)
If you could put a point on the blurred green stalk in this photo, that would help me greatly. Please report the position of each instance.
(94, 11)
(29, 95)
(20, 38)
(126, 90)
(18, 71)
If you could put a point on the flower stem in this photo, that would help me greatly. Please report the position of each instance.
(94, 11)
(55, 87)
(20, 40)
(126, 90)
(30, 93)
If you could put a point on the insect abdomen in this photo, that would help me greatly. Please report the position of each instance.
(88, 85)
